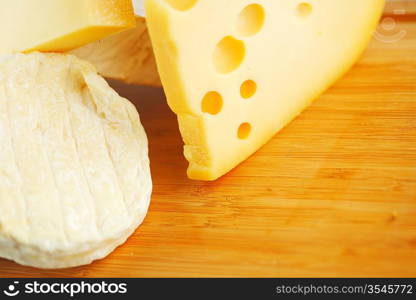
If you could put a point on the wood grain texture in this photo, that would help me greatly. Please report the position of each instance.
(333, 194)
(400, 7)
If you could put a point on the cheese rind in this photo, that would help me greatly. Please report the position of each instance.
(126, 56)
(290, 51)
(51, 25)
(74, 173)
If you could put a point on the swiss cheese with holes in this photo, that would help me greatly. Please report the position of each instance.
(235, 72)
(74, 168)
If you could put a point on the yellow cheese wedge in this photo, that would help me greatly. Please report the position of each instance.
(60, 25)
(235, 72)
(126, 56)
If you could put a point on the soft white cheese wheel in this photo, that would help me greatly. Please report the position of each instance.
(74, 168)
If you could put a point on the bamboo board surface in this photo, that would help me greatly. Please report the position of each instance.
(400, 7)
(333, 194)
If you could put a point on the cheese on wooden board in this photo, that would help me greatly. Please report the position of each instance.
(60, 25)
(74, 168)
(126, 56)
(236, 73)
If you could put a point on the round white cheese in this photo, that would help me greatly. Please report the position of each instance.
(74, 169)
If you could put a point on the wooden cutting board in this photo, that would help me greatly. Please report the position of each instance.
(400, 7)
(333, 194)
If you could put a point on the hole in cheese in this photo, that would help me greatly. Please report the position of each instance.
(229, 54)
(244, 131)
(212, 103)
(251, 20)
(304, 9)
(248, 89)
(182, 4)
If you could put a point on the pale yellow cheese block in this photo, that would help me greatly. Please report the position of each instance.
(126, 56)
(60, 25)
(236, 72)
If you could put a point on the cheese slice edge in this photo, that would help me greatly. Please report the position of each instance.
(126, 56)
(56, 26)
